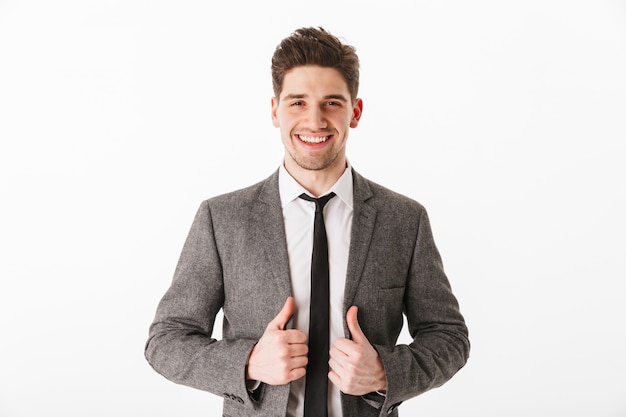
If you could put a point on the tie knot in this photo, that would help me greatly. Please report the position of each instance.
(319, 202)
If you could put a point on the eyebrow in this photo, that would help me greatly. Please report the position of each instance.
(340, 97)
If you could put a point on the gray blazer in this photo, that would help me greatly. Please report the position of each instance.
(235, 259)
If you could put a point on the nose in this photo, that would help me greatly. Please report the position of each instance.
(315, 118)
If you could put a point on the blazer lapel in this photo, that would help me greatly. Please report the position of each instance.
(363, 220)
(268, 216)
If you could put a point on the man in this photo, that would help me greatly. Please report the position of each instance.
(259, 253)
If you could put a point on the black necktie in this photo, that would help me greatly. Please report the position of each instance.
(316, 389)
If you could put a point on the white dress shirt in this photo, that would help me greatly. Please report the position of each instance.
(299, 216)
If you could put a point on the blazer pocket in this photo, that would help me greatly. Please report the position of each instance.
(392, 285)
(392, 294)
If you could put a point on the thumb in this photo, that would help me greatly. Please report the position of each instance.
(353, 325)
(280, 321)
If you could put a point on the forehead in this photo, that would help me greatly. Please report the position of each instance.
(314, 80)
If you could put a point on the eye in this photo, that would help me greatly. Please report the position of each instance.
(297, 103)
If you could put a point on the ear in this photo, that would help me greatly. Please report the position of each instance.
(275, 121)
(357, 111)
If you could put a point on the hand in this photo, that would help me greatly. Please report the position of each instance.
(356, 368)
(280, 356)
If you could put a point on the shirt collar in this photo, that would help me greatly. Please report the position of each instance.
(290, 189)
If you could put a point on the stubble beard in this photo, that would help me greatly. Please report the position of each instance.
(314, 163)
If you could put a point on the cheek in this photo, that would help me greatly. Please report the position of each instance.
(343, 121)
(286, 124)
(279, 118)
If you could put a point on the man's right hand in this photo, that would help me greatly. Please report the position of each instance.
(280, 356)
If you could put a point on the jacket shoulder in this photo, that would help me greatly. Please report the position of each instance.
(244, 196)
(382, 197)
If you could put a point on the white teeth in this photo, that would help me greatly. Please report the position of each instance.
(313, 139)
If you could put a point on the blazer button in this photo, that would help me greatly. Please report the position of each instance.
(240, 400)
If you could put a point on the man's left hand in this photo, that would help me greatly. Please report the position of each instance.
(356, 368)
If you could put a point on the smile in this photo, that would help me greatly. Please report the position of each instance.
(313, 139)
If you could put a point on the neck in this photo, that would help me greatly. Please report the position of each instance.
(316, 182)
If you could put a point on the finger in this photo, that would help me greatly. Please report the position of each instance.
(297, 373)
(354, 327)
(280, 321)
(343, 346)
(298, 349)
(335, 366)
(341, 349)
(335, 379)
(299, 362)
(293, 336)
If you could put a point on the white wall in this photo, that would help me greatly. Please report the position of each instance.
(506, 119)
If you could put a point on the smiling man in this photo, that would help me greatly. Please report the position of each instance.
(314, 111)
(314, 269)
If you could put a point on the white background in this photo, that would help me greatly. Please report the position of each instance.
(507, 120)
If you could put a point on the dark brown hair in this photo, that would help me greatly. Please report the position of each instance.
(313, 46)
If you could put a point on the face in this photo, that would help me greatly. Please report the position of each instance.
(314, 113)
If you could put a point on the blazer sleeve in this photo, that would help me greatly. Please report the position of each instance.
(440, 345)
(180, 344)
